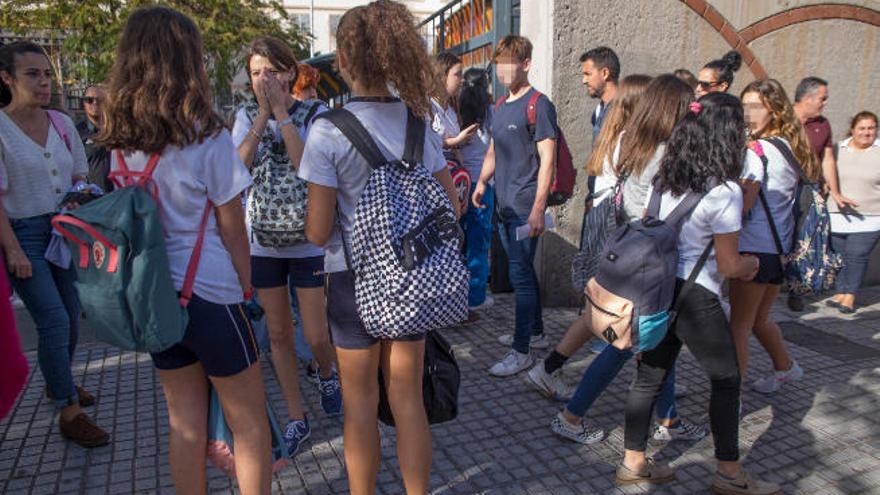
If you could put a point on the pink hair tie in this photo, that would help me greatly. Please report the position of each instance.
(695, 107)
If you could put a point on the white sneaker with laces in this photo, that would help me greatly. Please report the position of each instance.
(772, 383)
(684, 430)
(537, 341)
(581, 433)
(550, 385)
(513, 363)
(487, 303)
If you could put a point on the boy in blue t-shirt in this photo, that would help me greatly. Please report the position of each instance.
(522, 159)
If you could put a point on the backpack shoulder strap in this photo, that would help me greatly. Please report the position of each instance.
(683, 209)
(189, 280)
(357, 134)
(763, 197)
(58, 123)
(123, 177)
(691, 280)
(500, 102)
(414, 147)
(532, 108)
(316, 105)
(789, 157)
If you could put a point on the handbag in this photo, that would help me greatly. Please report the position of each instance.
(440, 383)
(221, 450)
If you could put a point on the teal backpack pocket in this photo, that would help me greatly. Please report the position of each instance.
(652, 330)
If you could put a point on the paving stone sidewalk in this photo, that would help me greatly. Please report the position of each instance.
(817, 436)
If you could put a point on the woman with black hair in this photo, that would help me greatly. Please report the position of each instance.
(704, 155)
(717, 75)
(475, 108)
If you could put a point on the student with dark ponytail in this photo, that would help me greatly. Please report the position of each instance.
(717, 75)
(378, 50)
(704, 156)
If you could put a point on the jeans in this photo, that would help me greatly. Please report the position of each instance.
(527, 295)
(856, 250)
(52, 301)
(601, 373)
(477, 225)
(703, 327)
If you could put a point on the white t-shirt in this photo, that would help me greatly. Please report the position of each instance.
(445, 121)
(33, 178)
(719, 212)
(185, 179)
(330, 160)
(240, 130)
(635, 188)
(605, 183)
(753, 169)
(780, 189)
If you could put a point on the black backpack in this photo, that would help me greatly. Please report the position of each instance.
(439, 386)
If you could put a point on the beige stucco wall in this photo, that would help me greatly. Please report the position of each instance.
(655, 36)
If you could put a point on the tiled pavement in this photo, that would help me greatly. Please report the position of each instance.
(818, 436)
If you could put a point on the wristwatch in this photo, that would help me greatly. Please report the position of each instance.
(288, 120)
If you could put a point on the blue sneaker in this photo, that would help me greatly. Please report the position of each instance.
(296, 432)
(331, 394)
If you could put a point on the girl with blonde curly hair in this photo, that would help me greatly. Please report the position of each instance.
(769, 115)
(381, 57)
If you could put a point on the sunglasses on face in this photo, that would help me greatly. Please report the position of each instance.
(91, 100)
(708, 84)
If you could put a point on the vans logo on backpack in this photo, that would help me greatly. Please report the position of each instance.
(418, 244)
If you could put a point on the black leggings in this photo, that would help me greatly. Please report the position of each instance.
(703, 327)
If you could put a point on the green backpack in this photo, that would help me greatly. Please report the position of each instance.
(117, 244)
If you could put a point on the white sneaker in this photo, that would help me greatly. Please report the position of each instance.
(513, 363)
(486, 304)
(772, 383)
(537, 342)
(581, 433)
(550, 385)
(682, 431)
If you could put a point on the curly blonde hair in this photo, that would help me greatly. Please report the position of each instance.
(784, 123)
(159, 94)
(382, 47)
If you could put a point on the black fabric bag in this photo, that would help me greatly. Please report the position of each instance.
(439, 386)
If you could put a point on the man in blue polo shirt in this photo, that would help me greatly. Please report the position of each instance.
(521, 157)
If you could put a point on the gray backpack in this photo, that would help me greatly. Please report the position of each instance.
(276, 203)
(634, 286)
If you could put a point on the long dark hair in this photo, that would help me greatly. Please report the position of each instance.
(474, 100)
(159, 94)
(7, 64)
(706, 148)
(664, 103)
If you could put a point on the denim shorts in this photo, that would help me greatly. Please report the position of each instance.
(305, 273)
(346, 327)
(770, 269)
(219, 336)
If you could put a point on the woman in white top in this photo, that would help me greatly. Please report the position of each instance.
(377, 48)
(768, 114)
(704, 156)
(270, 134)
(444, 100)
(39, 163)
(160, 104)
(856, 228)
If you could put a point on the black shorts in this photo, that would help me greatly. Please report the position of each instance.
(770, 270)
(218, 336)
(268, 273)
(346, 327)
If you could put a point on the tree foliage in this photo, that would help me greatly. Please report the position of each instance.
(84, 33)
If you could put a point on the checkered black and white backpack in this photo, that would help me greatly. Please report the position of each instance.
(405, 247)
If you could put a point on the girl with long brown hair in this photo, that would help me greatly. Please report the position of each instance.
(444, 98)
(160, 106)
(378, 48)
(768, 114)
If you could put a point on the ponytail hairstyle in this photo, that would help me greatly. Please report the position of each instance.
(706, 148)
(474, 101)
(726, 66)
(629, 92)
(383, 48)
(8, 53)
(664, 103)
(785, 124)
(159, 94)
